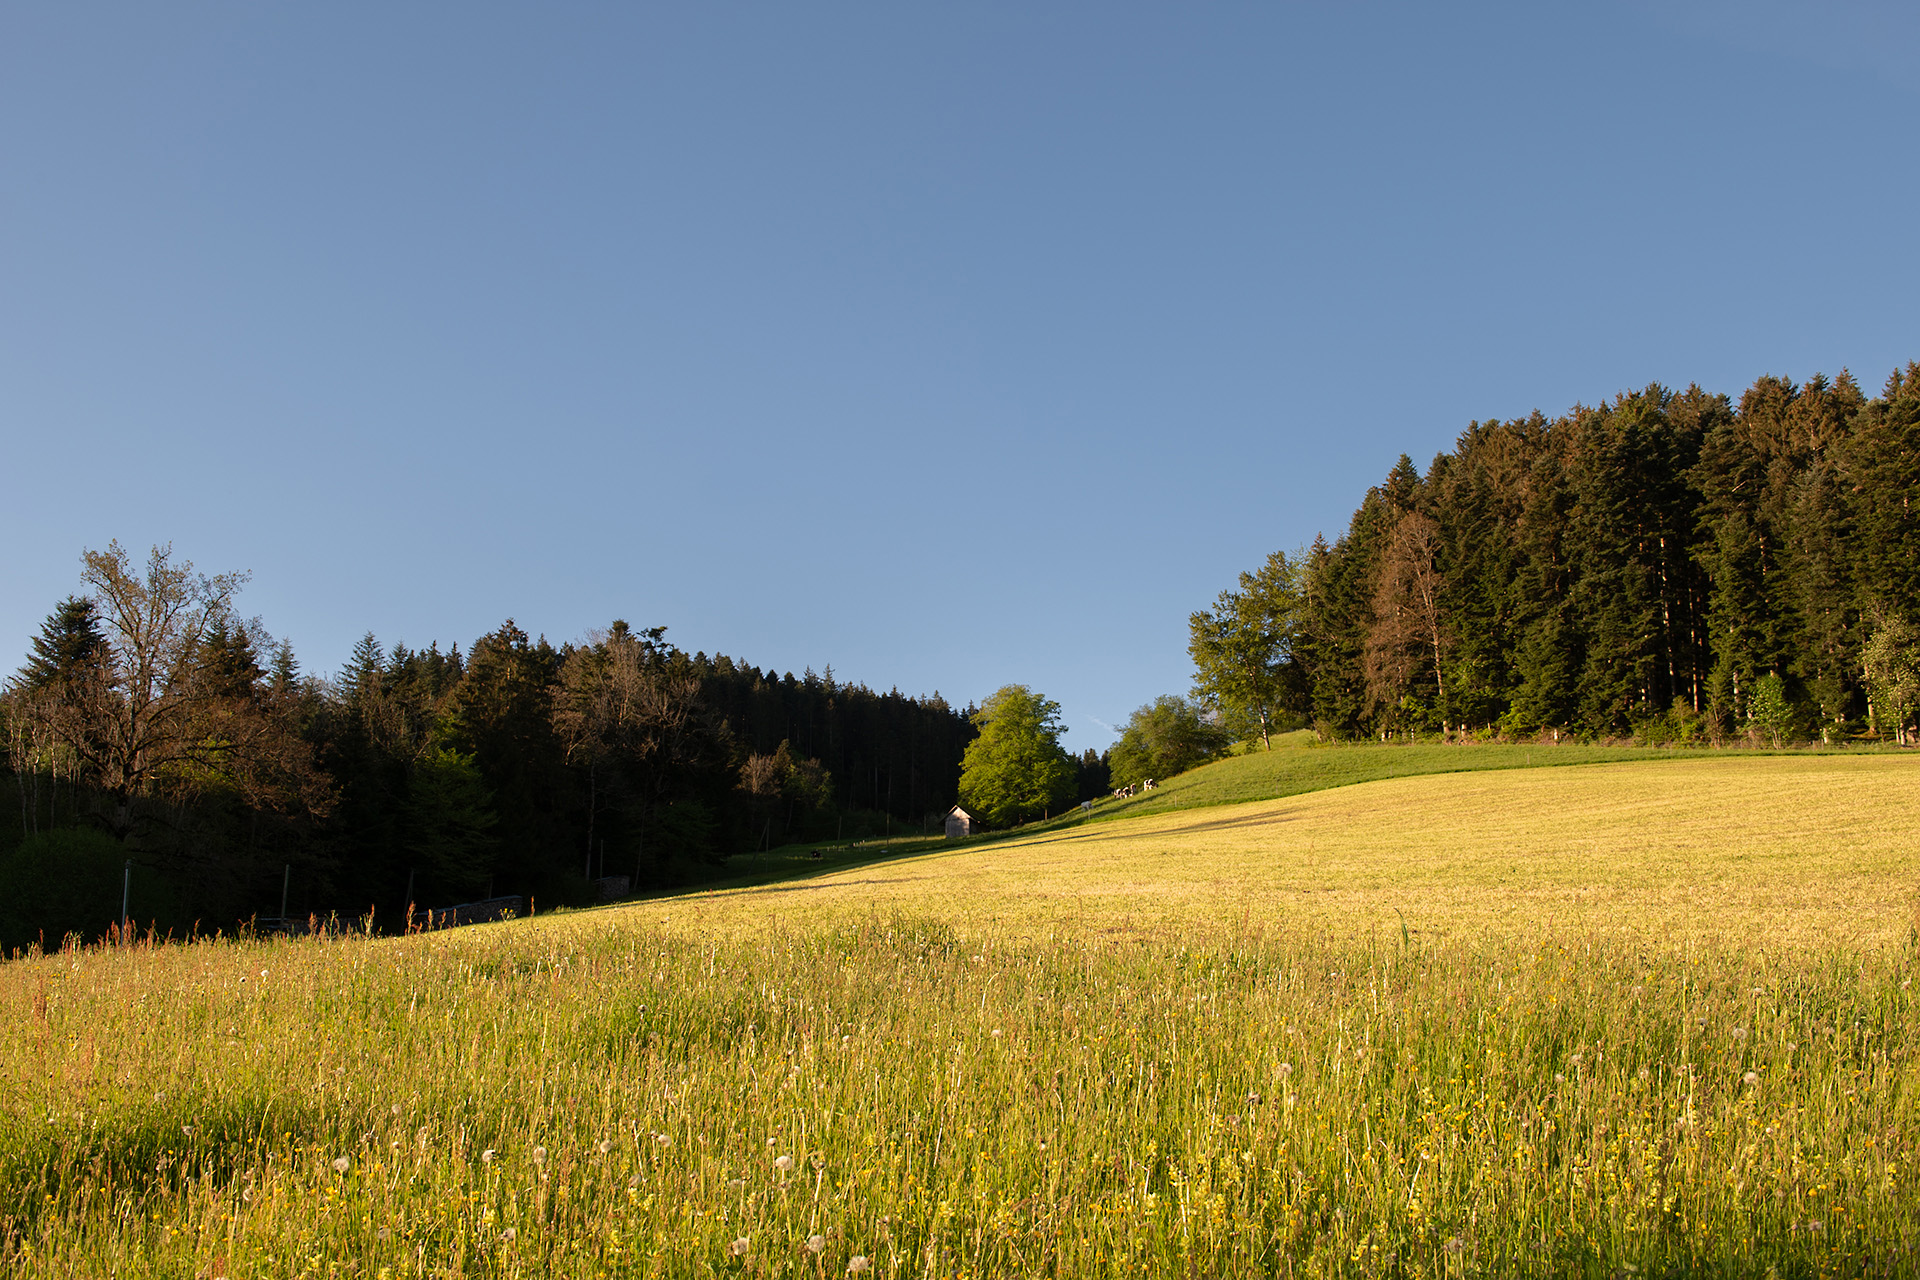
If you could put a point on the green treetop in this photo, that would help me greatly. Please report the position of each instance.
(1242, 648)
(1167, 736)
(69, 639)
(1016, 768)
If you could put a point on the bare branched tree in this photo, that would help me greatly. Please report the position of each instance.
(624, 708)
(149, 715)
(1409, 627)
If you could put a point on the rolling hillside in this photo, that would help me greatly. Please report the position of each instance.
(1652, 1016)
(1797, 847)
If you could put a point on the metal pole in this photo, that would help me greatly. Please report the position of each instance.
(286, 880)
(126, 893)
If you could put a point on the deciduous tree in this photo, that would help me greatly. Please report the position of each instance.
(1016, 768)
(1242, 648)
(1167, 736)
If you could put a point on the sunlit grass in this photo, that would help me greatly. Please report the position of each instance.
(1298, 764)
(1766, 850)
(1609, 1034)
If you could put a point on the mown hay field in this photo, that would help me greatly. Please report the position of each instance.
(1762, 850)
(1559, 1022)
(1299, 764)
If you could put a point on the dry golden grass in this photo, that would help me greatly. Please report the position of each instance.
(1767, 850)
(1655, 1016)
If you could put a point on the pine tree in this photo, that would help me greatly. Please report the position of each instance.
(69, 639)
(229, 665)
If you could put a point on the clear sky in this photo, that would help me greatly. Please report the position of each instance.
(952, 345)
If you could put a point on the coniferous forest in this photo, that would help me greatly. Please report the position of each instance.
(1669, 566)
(151, 724)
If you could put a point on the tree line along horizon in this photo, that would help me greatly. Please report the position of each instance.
(1667, 566)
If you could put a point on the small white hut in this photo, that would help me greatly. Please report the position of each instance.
(959, 823)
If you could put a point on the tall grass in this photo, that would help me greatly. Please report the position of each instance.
(607, 1095)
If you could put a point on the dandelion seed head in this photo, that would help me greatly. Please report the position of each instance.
(341, 1164)
(604, 1146)
(395, 1108)
(509, 1235)
(783, 1163)
(1751, 1078)
(1739, 1033)
(1286, 1069)
(486, 1157)
(738, 1248)
(539, 1155)
(816, 1244)
(860, 1262)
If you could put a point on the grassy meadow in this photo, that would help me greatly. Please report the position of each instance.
(1298, 764)
(1650, 1018)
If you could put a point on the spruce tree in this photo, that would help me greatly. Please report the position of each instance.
(69, 639)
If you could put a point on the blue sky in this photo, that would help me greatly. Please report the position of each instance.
(949, 345)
